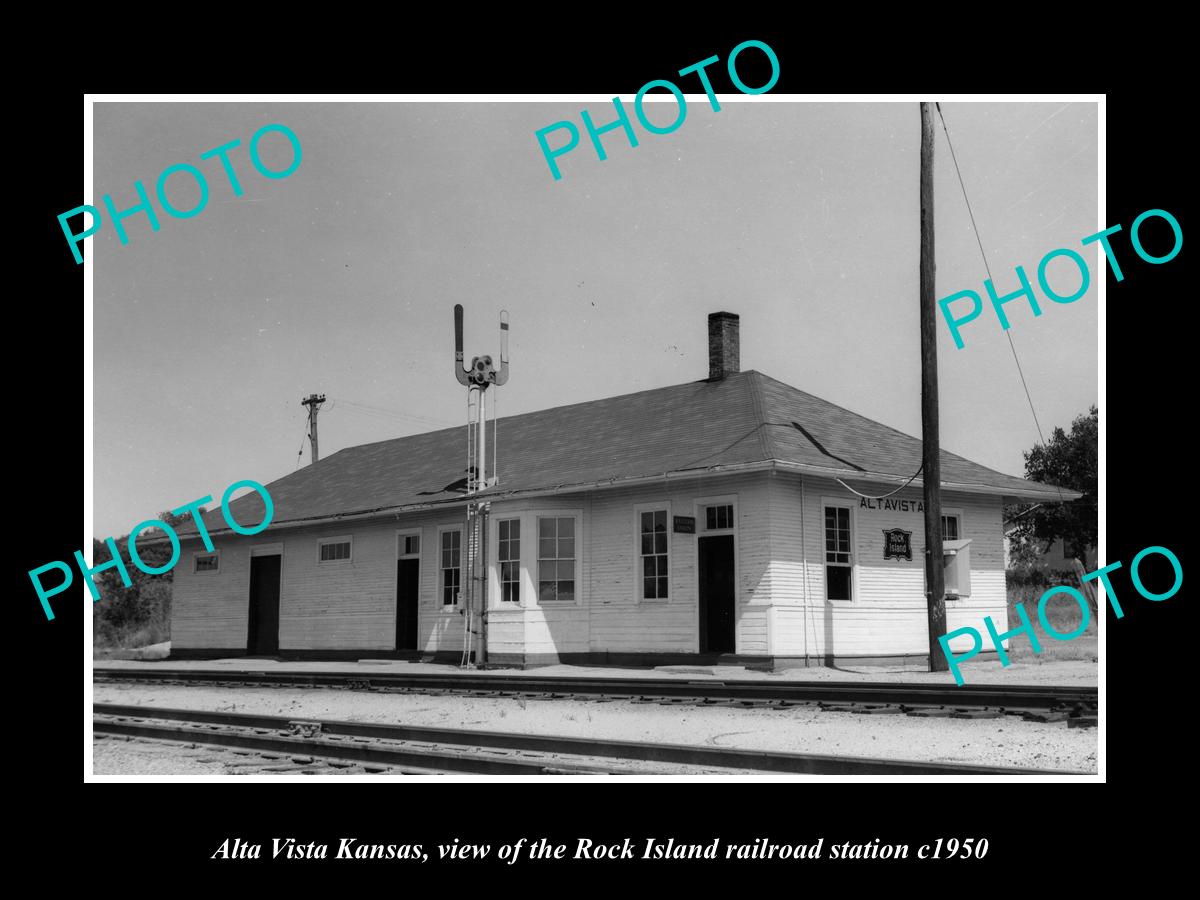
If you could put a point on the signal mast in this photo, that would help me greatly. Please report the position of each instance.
(477, 379)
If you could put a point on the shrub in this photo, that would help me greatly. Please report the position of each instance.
(133, 616)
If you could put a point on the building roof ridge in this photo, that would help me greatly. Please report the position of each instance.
(549, 409)
(754, 385)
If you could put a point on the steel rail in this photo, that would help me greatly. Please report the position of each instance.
(1026, 697)
(486, 752)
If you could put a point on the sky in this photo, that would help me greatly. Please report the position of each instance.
(341, 278)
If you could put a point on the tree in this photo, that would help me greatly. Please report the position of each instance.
(148, 597)
(1070, 461)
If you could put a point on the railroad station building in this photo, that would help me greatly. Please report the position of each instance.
(732, 518)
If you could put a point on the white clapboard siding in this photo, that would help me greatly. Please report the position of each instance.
(209, 610)
(343, 605)
(322, 606)
(622, 622)
(352, 605)
(506, 631)
(752, 630)
(887, 614)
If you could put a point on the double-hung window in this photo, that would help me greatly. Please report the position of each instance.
(956, 556)
(509, 550)
(451, 565)
(950, 528)
(653, 550)
(839, 562)
(556, 559)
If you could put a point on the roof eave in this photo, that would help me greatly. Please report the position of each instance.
(1049, 494)
(634, 481)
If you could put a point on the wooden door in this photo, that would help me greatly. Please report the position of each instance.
(717, 594)
(263, 634)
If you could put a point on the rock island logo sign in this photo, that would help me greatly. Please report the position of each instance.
(897, 544)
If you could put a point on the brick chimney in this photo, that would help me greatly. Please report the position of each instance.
(723, 355)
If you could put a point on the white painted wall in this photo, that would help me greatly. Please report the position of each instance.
(610, 614)
(351, 605)
(323, 606)
(887, 613)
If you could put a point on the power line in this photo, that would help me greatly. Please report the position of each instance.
(987, 269)
(300, 452)
(882, 496)
(385, 417)
(367, 409)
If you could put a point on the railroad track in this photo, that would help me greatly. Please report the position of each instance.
(406, 748)
(1075, 705)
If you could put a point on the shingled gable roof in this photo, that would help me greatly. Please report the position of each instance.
(742, 422)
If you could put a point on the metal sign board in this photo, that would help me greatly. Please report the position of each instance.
(684, 524)
(897, 544)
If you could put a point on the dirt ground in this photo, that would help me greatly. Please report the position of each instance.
(1007, 741)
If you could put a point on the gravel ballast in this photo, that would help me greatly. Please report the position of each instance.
(1006, 741)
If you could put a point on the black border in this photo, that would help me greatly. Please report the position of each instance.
(168, 830)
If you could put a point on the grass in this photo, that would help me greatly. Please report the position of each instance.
(130, 619)
(1062, 612)
(109, 641)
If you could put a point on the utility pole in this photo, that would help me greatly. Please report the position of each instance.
(935, 576)
(313, 402)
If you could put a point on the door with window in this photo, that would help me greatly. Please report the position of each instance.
(716, 594)
(716, 563)
(408, 585)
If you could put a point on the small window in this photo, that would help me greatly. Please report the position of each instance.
(410, 545)
(653, 537)
(950, 528)
(718, 517)
(838, 561)
(556, 559)
(207, 562)
(510, 560)
(451, 566)
(333, 550)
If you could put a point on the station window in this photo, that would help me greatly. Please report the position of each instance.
(950, 531)
(333, 550)
(653, 549)
(956, 555)
(838, 555)
(556, 559)
(207, 562)
(510, 560)
(451, 566)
